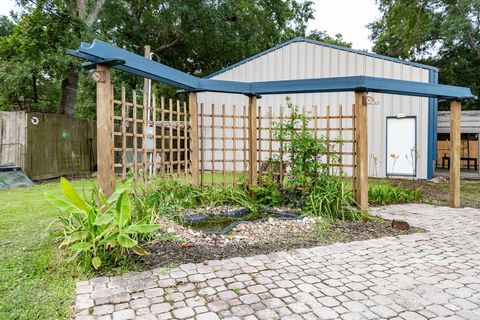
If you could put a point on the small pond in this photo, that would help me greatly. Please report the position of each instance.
(224, 222)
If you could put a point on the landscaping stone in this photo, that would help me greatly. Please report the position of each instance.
(428, 275)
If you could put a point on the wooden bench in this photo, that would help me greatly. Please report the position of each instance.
(468, 159)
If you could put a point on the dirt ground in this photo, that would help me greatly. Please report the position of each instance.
(437, 193)
(176, 252)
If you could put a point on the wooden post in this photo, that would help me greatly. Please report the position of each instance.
(192, 104)
(146, 120)
(105, 153)
(455, 141)
(252, 140)
(361, 148)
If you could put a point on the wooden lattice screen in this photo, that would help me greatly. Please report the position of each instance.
(334, 125)
(156, 141)
(224, 140)
(151, 142)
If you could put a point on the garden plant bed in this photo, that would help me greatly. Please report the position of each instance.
(261, 238)
(437, 192)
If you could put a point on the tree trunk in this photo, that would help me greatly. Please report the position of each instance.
(68, 93)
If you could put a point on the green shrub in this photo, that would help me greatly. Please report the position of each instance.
(171, 198)
(307, 153)
(385, 193)
(332, 200)
(268, 191)
(310, 182)
(100, 229)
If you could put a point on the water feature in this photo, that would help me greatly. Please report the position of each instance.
(224, 221)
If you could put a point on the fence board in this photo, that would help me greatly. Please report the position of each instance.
(60, 146)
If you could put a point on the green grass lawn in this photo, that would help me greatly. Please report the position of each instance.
(35, 281)
(469, 189)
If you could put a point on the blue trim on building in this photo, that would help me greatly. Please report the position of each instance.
(329, 45)
(432, 126)
(100, 52)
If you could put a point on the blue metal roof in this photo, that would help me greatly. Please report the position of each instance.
(320, 43)
(121, 59)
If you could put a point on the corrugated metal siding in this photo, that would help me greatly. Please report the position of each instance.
(303, 60)
(470, 121)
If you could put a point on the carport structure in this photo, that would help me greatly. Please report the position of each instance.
(104, 56)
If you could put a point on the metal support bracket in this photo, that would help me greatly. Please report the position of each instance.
(106, 62)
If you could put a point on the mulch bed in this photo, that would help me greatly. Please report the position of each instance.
(177, 252)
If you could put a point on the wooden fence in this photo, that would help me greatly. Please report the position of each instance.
(158, 141)
(51, 145)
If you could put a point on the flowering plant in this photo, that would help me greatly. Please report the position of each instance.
(305, 152)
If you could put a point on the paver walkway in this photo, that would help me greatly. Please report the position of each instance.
(433, 275)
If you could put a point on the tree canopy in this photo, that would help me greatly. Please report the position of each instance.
(443, 33)
(196, 36)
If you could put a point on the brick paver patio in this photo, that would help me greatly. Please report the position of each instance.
(433, 275)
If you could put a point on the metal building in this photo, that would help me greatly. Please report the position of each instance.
(302, 58)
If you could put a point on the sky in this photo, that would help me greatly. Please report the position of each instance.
(348, 17)
(6, 6)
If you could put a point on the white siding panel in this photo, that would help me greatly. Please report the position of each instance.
(303, 60)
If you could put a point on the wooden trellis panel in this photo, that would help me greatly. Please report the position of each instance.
(157, 141)
(223, 144)
(224, 141)
(335, 125)
(153, 141)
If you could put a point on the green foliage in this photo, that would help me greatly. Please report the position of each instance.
(99, 229)
(324, 37)
(268, 191)
(310, 182)
(33, 58)
(198, 37)
(442, 33)
(386, 193)
(331, 199)
(171, 198)
(307, 154)
(35, 280)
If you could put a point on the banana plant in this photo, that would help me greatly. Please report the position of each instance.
(101, 227)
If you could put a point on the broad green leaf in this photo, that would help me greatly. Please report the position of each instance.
(103, 219)
(80, 246)
(110, 240)
(75, 236)
(119, 190)
(142, 228)
(72, 195)
(140, 251)
(123, 209)
(125, 241)
(104, 201)
(62, 204)
(92, 215)
(96, 262)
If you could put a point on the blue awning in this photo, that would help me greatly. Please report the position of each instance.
(102, 52)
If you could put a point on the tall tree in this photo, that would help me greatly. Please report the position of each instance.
(197, 36)
(201, 36)
(86, 13)
(33, 52)
(445, 33)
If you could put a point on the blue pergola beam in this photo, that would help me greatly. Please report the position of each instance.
(362, 83)
(100, 51)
